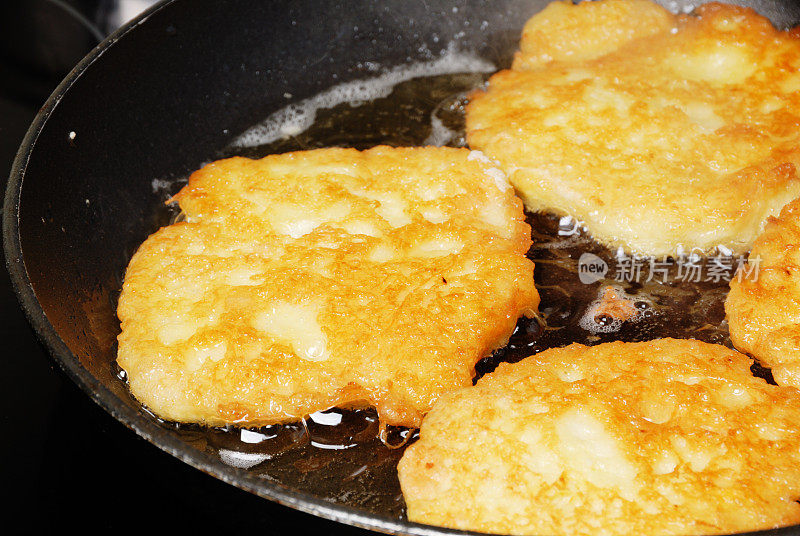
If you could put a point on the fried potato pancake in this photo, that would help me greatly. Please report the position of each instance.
(654, 130)
(325, 278)
(662, 437)
(763, 305)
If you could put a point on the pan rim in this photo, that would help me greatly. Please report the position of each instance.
(144, 426)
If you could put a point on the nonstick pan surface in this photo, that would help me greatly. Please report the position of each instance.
(171, 91)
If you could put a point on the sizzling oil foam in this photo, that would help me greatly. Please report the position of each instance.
(297, 117)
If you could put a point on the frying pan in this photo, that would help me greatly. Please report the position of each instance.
(155, 101)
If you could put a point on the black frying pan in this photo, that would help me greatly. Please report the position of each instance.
(154, 101)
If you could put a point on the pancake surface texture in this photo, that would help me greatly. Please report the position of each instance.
(661, 437)
(654, 130)
(330, 277)
(763, 306)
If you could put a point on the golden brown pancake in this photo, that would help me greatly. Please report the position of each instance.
(763, 306)
(325, 278)
(662, 437)
(654, 130)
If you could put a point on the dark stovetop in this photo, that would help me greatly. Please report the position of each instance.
(65, 462)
